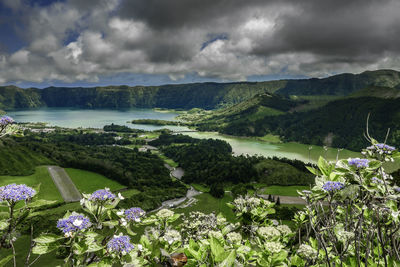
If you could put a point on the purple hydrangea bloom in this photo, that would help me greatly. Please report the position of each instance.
(73, 223)
(14, 193)
(359, 163)
(383, 148)
(5, 120)
(134, 214)
(397, 188)
(120, 244)
(102, 195)
(331, 186)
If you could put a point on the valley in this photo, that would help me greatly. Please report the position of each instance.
(193, 157)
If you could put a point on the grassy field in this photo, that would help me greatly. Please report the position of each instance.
(201, 188)
(283, 190)
(207, 204)
(130, 192)
(22, 247)
(48, 189)
(88, 182)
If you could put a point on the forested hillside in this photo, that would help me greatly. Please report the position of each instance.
(186, 96)
(340, 123)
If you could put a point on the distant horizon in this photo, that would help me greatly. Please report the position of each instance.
(190, 82)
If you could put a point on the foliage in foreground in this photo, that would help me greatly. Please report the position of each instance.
(351, 219)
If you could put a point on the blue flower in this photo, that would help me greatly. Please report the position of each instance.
(102, 195)
(331, 186)
(376, 180)
(134, 214)
(5, 120)
(120, 244)
(397, 188)
(382, 148)
(14, 193)
(74, 223)
(359, 163)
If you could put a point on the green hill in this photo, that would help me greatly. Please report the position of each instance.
(186, 96)
(377, 91)
(340, 123)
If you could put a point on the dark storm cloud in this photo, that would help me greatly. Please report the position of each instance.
(228, 39)
(161, 14)
(338, 28)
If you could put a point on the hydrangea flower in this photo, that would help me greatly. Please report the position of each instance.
(74, 223)
(331, 186)
(6, 120)
(171, 236)
(14, 193)
(164, 213)
(273, 247)
(284, 229)
(359, 163)
(215, 234)
(268, 232)
(234, 238)
(134, 214)
(102, 195)
(376, 180)
(397, 188)
(307, 252)
(382, 148)
(120, 244)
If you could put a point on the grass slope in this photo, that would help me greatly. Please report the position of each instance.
(19, 160)
(88, 182)
(48, 189)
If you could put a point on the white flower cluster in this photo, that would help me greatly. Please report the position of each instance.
(307, 252)
(247, 203)
(234, 238)
(284, 229)
(345, 236)
(216, 234)
(197, 225)
(268, 232)
(273, 247)
(172, 236)
(165, 214)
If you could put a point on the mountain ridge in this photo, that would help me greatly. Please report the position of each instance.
(208, 95)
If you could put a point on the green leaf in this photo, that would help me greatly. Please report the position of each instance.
(5, 260)
(230, 260)
(47, 238)
(102, 263)
(324, 166)
(312, 170)
(41, 249)
(3, 224)
(374, 164)
(41, 202)
(217, 250)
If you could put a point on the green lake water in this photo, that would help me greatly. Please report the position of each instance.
(94, 118)
(74, 118)
(251, 146)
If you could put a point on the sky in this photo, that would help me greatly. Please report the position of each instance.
(151, 42)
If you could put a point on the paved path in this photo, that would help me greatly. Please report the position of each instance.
(67, 188)
(178, 173)
(287, 199)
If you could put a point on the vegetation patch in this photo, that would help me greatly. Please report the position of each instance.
(88, 182)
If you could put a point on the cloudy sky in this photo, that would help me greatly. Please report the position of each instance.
(100, 42)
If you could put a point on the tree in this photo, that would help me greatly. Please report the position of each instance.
(217, 190)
